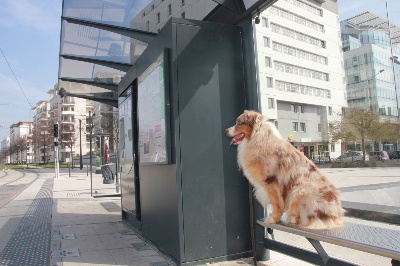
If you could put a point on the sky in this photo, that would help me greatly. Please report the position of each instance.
(30, 42)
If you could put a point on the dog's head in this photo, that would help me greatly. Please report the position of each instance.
(247, 124)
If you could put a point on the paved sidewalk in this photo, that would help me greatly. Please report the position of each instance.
(89, 231)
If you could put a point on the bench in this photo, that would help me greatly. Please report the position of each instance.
(371, 239)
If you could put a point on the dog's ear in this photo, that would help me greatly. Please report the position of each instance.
(244, 118)
(258, 120)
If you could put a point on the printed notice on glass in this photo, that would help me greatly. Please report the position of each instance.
(151, 110)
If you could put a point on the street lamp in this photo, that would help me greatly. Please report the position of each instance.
(80, 144)
(369, 88)
(393, 58)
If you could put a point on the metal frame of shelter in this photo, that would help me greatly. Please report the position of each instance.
(243, 13)
(231, 12)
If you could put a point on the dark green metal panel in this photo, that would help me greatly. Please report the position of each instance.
(211, 96)
(196, 208)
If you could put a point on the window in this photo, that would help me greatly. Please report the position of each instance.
(276, 123)
(169, 9)
(356, 79)
(152, 6)
(271, 103)
(318, 110)
(330, 110)
(295, 126)
(158, 17)
(183, 2)
(269, 82)
(303, 127)
(266, 41)
(143, 14)
(264, 22)
(301, 109)
(293, 108)
(183, 15)
(319, 128)
(267, 61)
(332, 148)
(147, 25)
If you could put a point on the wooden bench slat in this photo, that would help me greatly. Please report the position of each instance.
(371, 239)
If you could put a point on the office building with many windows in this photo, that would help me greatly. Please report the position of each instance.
(372, 74)
(301, 78)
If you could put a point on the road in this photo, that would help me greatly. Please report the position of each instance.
(13, 184)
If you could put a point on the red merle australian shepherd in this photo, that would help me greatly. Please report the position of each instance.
(282, 176)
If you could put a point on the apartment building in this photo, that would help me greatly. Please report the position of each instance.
(300, 65)
(20, 142)
(74, 125)
(72, 116)
(42, 135)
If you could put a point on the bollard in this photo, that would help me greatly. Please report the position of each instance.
(87, 170)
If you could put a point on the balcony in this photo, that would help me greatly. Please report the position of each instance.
(69, 112)
(68, 121)
(68, 131)
(67, 102)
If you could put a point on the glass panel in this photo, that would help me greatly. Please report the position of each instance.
(94, 43)
(114, 12)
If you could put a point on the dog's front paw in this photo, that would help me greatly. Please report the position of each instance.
(270, 220)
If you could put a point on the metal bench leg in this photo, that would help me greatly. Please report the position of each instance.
(395, 262)
(271, 232)
(320, 250)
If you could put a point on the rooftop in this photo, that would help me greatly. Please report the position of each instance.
(368, 20)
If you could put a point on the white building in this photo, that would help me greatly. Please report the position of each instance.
(20, 139)
(41, 134)
(300, 64)
(72, 115)
(301, 76)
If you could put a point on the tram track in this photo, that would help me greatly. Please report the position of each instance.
(13, 179)
(15, 186)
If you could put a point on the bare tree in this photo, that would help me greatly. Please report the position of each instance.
(4, 153)
(42, 137)
(20, 145)
(359, 124)
(68, 137)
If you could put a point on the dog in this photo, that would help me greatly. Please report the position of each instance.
(282, 176)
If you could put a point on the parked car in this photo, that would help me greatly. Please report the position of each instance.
(378, 155)
(352, 156)
(394, 155)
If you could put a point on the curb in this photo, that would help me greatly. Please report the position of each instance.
(376, 216)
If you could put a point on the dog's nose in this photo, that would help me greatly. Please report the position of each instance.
(227, 131)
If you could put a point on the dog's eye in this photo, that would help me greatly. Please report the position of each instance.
(238, 125)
